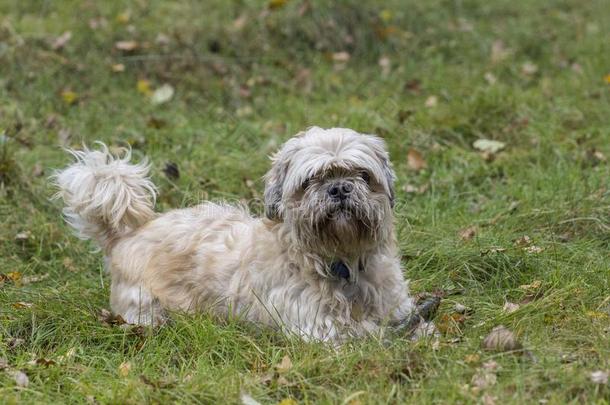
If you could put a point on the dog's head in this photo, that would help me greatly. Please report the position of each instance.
(334, 188)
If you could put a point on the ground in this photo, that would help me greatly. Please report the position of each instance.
(525, 227)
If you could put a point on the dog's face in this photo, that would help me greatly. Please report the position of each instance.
(334, 188)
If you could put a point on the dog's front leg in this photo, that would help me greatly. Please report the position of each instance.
(419, 322)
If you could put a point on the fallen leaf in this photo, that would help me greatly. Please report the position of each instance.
(68, 264)
(14, 343)
(462, 309)
(43, 362)
(467, 234)
(410, 188)
(599, 377)
(276, 4)
(37, 170)
(510, 307)
(21, 379)
(108, 318)
(14, 276)
(501, 339)
(529, 68)
(61, 41)
(415, 160)
(69, 97)
(127, 46)
(472, 358)
(534, 249)
(607, 78)
(34, 279)
(22, 305)
(240, 22)
(490, 78)
(289, 401)
(163, 94)
(385, 64)
(118, 67)
(488, 145)
(285, 365)
(431, 102)
(499, 51)
(533, 286)
(124, 369)
(143, 87)
(341, 57)
(156, 123)
(522, 241)
(123, 17)
(483, 379)
(596, 315)
(171, 170)
(246, 399)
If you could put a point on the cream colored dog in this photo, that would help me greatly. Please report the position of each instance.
(323, 263)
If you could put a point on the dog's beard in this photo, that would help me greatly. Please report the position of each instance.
(340, 228)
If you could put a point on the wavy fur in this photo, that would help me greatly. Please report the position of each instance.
(106, 197)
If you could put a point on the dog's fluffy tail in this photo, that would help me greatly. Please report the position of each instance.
(105, 196)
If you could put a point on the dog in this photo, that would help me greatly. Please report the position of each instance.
(323, 262)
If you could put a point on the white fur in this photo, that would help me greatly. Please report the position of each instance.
(273, 271)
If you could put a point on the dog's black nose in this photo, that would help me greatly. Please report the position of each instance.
(340, 190)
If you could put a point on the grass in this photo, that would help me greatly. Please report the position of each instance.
(529, 74)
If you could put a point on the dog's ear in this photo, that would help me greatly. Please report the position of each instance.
(379, 148)
(274, 187)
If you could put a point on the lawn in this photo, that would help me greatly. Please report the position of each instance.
(519, 236)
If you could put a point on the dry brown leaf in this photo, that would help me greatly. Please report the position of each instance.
(108, 318)
(510, 307)
(499, 51)
(523, 241)
(529, 68)
(431, 102)
(23, 236)
(467, 234)
(285, 365)
(472, 358)
(22, 305)
(535, 285)
(501, 339)
(61, 41)
(415, 160)
(124, 369)
(341, 57)
(127, 46)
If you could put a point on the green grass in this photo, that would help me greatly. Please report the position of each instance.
(240, 92)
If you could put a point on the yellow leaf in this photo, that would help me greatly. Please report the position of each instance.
(14, 275)
(118, 67)
(144, 87)
(385, 15)
(123, 17)
(69, 97)
(607, 78)
(287, 401)
(124, 369)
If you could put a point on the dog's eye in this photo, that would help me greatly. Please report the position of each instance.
(365, 176)
(305, 184)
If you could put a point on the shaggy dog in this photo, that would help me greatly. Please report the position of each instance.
(323, 264)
